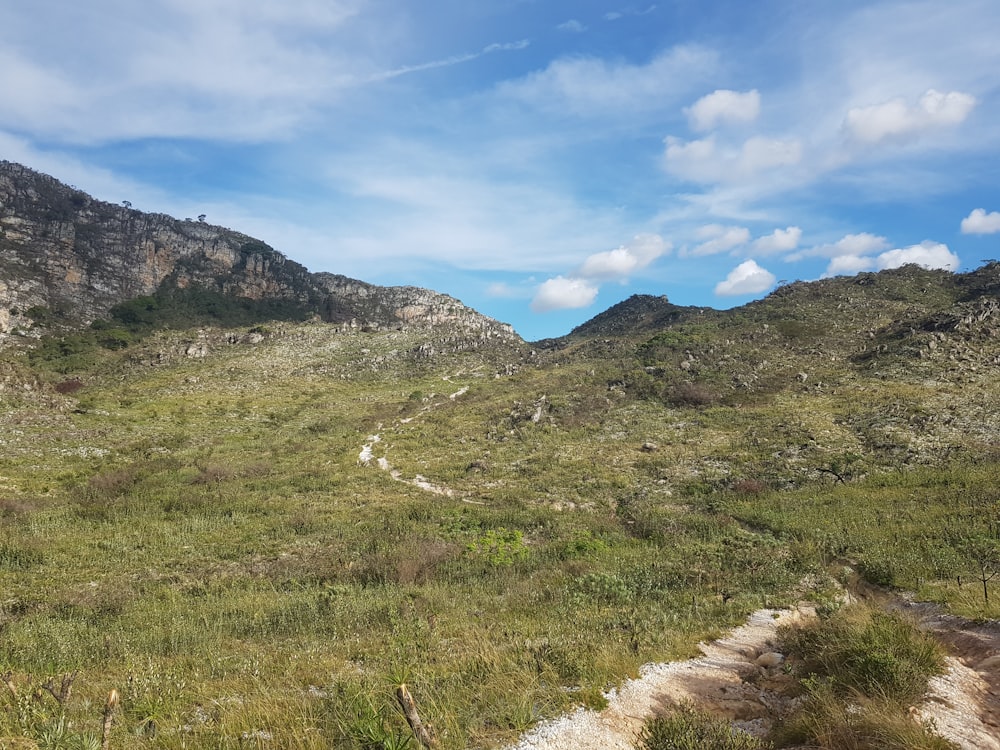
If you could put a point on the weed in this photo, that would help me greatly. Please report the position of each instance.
(867, 651)
(689, 729)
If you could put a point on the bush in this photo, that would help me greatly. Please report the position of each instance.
(827, 722)
(67, 387)
(862, 651)
(691, 394)
(689, 729)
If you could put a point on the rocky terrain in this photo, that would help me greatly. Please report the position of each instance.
(68, 258)
(318, 486)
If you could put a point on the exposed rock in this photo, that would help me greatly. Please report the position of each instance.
(65, 254)
(770, 660)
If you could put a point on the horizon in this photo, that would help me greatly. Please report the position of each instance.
(539, 162)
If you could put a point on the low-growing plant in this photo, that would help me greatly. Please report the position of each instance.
(868, 652)
(690, 729)
(826, 721)
(862, 669)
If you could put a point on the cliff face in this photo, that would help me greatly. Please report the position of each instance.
(63, 252)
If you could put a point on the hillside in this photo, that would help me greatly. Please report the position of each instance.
(68, 259)
(252, 522)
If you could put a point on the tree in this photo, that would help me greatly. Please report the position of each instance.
(984, 554)
(201, 218)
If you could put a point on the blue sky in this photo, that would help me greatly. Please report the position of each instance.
(538, 159)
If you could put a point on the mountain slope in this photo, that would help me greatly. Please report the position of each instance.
(68, 258)
(254, 531)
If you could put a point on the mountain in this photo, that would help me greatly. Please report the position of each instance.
(251, 499)
(68, 259)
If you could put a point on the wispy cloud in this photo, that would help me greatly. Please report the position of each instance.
(859, 244)
(707, 161)
(723, 106)
(449, 61)
(717, 239)
(593, 86)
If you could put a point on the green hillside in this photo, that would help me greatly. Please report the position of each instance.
(254, 533)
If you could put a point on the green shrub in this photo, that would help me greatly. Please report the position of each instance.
(689, 729)
(859, 650)
(827, 722)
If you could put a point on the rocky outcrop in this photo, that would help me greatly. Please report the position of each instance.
(78, 257)
(67, 256)
(365, 305)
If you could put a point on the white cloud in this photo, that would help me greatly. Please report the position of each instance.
(856, 244)
(723, 106)
(980, 222)
(759, 154)
(851, 244)
(718, 239)
(624, 260)
(779, 241)
(896, 119)
(703, 161)
(560, 293)
(927, 254)
(503, 290)
(848, 265)
(746, 278)
(593, 86)
(572, 26)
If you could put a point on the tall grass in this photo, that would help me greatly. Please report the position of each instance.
(198, 534)
(863, 669)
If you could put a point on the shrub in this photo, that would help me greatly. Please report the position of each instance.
(859, 650)
(67, 387)
(499, 548)
(689, 729)
(749, 487)
(827, 722)
(691, 394)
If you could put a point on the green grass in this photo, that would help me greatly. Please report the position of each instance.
(198, 534)
(862, 670)
(689, 729)
(862, 651)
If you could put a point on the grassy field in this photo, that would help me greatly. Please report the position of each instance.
(199, 534)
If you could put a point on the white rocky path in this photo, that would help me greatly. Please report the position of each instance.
(713, 681)
(366, 457)
(963, 703)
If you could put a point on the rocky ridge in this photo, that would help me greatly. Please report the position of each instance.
(68, 256)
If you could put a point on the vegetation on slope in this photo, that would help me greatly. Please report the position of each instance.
(186, 520)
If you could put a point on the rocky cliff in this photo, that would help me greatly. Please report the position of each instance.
(67, 257)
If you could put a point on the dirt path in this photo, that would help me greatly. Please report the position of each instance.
(964, 702)
(716, 681)
(739, 678)
(366, 457)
